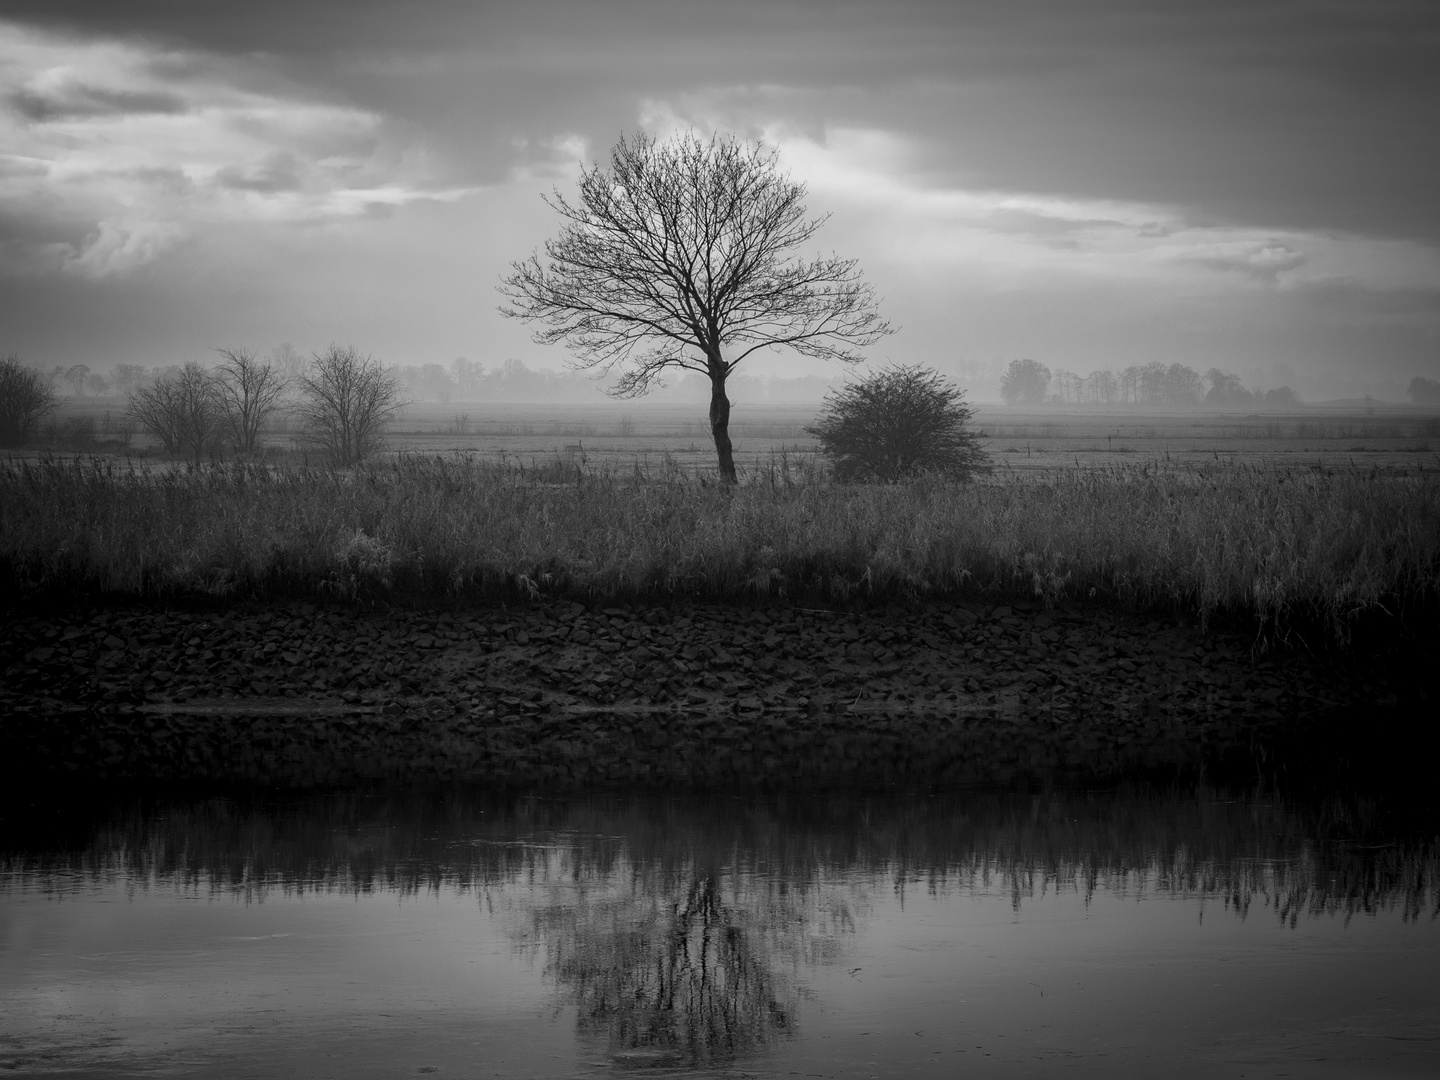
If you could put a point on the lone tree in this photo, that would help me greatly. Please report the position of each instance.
(897, 424)
(346, 400)
(680, 255)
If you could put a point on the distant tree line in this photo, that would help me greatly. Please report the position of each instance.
(468, 380)
(1029, 382)
(1424, 391)
(341, 398)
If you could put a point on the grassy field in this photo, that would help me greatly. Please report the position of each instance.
(1280, 543)
(617, 434)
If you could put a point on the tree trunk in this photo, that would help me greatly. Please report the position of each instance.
(720, 424)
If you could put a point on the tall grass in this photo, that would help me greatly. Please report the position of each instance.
(1279, 544)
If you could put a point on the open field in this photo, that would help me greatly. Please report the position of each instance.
(617, 434)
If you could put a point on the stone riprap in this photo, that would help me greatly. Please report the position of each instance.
(568, 694)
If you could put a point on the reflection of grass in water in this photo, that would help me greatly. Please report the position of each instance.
(1277, 543)
(1341, 857)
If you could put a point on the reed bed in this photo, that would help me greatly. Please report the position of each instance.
(1276, 544)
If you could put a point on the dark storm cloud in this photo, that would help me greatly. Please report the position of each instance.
(1273, 112)
(77, 101)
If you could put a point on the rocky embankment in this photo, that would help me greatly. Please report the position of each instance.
(568, 694)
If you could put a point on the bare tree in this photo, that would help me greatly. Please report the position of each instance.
(288, 362)
(128, 376)
(75, 375)
(181, 409)
(25, 398)
(679, 256)
(249, 391)
(346, 401)
(897, 424)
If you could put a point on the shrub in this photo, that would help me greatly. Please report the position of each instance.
(897, 424)
(346, 401)
(25, 399)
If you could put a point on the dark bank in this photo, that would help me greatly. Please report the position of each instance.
(568, 695)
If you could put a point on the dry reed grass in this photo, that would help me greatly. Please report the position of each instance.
(1279, 545)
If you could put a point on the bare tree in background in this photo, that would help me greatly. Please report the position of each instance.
(75, 375)
(25, 398)
(249, 391)
(679, 256)
(128, 376)
(288, 362)
(181, 409)
(346, 401)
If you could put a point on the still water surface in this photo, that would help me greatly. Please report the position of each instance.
(992, 934)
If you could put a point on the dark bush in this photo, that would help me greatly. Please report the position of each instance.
(897, 424)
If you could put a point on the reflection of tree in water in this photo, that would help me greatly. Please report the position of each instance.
(682, 965)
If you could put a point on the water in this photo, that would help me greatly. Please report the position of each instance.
(465, 935)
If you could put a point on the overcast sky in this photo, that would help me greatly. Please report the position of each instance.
(1250, 184)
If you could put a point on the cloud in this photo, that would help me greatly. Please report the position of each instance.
(125, 148)
(552, 160)
(1264, 261)
(120, 246)
(1024, 239)
(73, 99)
(276, 172)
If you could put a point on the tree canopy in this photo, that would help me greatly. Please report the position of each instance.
(681, 254)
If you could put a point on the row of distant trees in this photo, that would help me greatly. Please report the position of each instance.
(342, 399)
(459, 380)
(469, 380)
(1029, 382)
